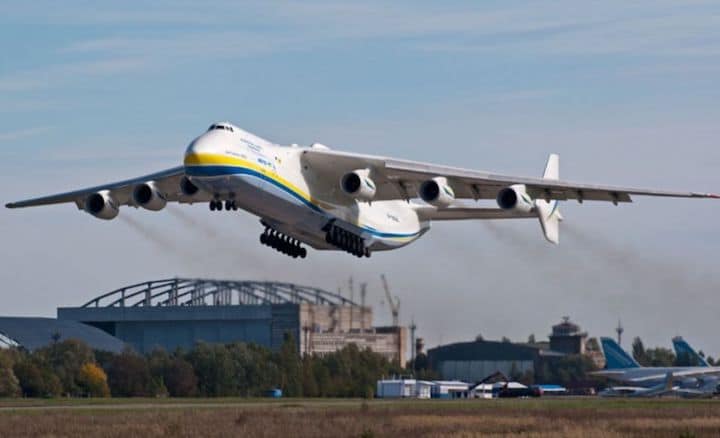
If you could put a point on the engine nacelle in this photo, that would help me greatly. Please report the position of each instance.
(515, 198)
(147, 196)
(437, 192)
(358, 184)
(102, 205)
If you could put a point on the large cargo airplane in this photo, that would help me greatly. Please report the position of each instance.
(640, 381)
(333, 200)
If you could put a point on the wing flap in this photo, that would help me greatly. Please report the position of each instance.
(452, 214)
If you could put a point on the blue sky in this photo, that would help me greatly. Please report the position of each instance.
(626, 92)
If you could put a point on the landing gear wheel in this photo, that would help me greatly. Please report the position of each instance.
(282, 243)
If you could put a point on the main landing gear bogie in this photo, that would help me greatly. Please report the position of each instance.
(217, 205)
(347, 241)
(282, 243)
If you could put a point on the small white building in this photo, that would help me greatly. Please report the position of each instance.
(449, 389)
(403, 388)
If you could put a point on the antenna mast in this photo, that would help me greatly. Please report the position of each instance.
(619, 330)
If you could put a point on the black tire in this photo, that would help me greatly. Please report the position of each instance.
(263, 239)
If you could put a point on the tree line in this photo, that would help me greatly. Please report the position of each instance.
(665, 357)
(70, 368)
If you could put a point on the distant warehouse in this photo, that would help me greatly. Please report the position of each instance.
(474, 361)
(177, 313)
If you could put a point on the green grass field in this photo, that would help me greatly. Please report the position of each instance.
(374, 418)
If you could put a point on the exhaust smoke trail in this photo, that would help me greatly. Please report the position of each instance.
(148, 234)
(191, 222)
(667, 277)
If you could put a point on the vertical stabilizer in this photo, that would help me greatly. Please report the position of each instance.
(615, 356)
(552, 168)
(547, 209)
(682, 348)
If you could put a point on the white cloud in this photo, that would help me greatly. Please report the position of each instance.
(23, 133)
(48, 77)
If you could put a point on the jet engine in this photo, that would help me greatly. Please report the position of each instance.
(358, 185)
(515, 198)
(102, 205)
(437, 192)
(147, 196)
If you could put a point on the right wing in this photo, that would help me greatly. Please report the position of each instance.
(400, 179)
(168, 182)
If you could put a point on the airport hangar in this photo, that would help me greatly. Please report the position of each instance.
(177, 313)
(475, 360)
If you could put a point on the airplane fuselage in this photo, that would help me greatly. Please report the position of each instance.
(651, 376)
(271, 181)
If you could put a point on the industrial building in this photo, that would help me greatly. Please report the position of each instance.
(177, 313)
(566, 337)
(474, 361)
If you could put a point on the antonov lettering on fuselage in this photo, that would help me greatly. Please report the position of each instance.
(334, 200)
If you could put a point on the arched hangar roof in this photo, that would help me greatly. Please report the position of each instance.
(204, 292)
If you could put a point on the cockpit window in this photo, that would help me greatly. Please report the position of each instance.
(220, 126)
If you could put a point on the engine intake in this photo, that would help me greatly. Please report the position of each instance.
(102, 205)
(437, 192)
(358, 184)
(515, 198)
(147, 196)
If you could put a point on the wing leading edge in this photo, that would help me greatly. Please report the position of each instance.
(399, 179)
(168, 181)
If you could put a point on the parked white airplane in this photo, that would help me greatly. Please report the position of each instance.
(684, 381)
(337, 200)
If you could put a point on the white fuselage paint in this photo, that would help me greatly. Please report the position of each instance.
(272, 182)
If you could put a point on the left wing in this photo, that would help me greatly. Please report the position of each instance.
(401, 179)
(169, 184)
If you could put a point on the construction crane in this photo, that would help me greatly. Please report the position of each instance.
(393, 303)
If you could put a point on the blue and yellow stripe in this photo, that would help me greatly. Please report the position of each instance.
(214, 165)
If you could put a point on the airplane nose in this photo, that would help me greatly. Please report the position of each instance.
(196, 150)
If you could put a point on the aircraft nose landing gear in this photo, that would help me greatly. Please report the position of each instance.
(282, 243)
